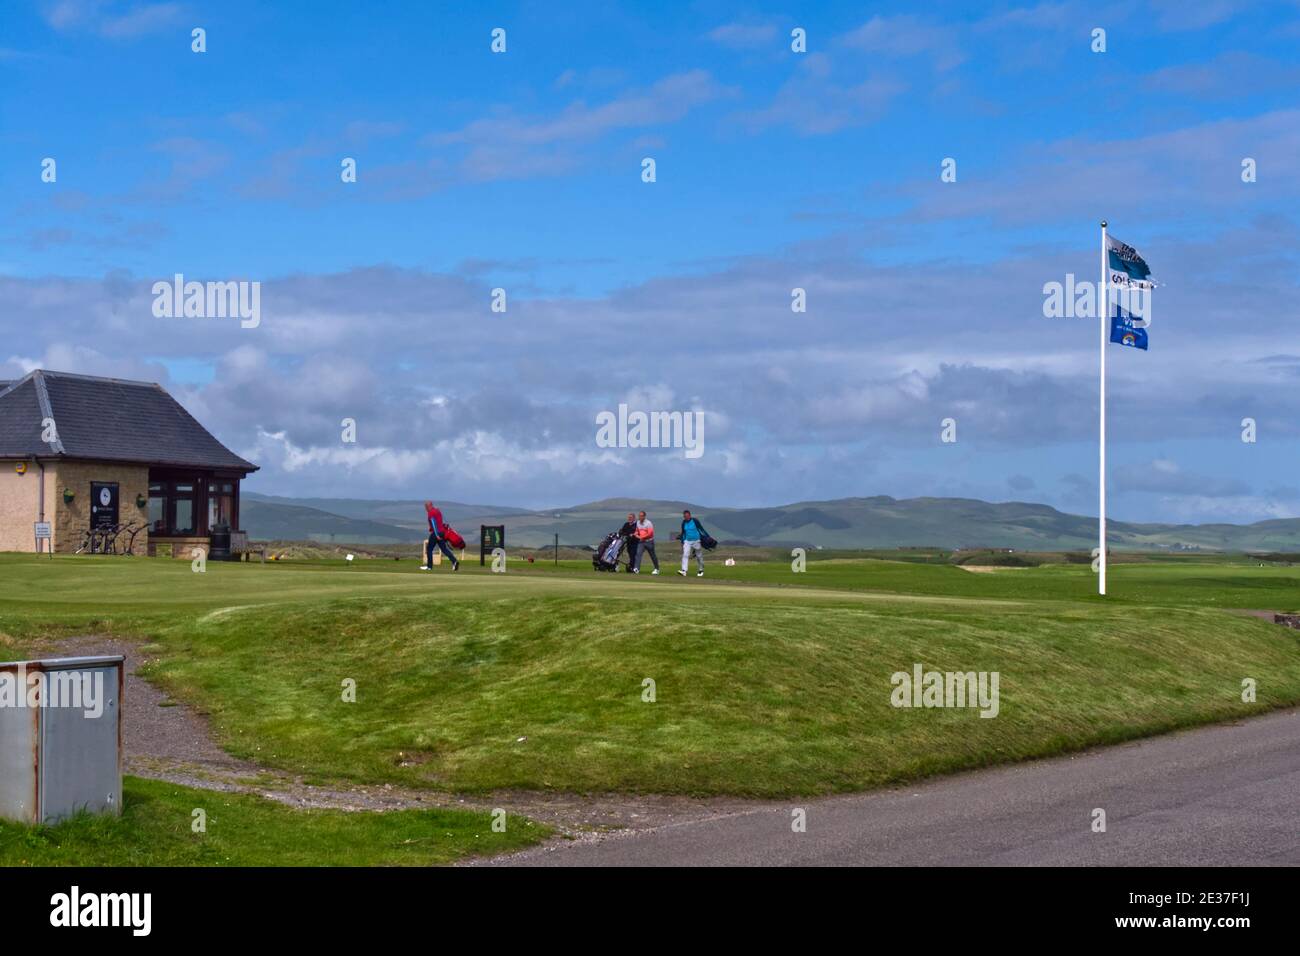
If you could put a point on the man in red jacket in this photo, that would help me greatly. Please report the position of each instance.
(438, 537)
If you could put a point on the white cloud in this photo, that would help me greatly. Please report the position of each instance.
(741, 35)
(666, 101)
(439, 398)
(814, 101)
(113, 20)
(903, 36)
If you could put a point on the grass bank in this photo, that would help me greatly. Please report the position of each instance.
(538, 680)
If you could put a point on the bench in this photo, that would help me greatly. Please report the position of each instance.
(242, 550)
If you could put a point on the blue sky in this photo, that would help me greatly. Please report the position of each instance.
(775, 169)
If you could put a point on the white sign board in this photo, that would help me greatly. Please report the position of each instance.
(43, 533)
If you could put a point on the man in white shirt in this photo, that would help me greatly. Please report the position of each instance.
(645, 536)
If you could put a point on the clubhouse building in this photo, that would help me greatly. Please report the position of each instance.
(79, 452)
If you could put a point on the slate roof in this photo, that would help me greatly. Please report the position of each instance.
(106, 419)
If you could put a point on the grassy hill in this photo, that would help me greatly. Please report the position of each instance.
(767, 682)
(277, 521)
(356, 520)
(876, 522)
(402, 513)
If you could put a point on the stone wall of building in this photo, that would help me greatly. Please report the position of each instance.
(179, 548)
(71, 519)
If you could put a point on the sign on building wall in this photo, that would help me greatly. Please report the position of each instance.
(103, 504)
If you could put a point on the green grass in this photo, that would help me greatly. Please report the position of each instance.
(1169, 583)
(155, 829)
(768, 683)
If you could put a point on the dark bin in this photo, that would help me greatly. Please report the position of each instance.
(219, 547)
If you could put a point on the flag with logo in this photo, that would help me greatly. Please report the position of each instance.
(1124, 330)
(1127, 267)
(1130, 276)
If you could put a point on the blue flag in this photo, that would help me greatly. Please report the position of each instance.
(1124, 332)
(1130, 276)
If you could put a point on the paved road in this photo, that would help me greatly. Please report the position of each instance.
(1225, 795)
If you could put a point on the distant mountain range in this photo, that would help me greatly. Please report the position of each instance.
(879, 522)
(356, 520)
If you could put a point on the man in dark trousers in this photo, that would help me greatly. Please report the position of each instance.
(438, 538)
(628, 533)
(645, 536)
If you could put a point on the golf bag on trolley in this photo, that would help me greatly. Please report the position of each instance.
(608, 552)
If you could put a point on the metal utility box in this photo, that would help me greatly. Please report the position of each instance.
(61, 737)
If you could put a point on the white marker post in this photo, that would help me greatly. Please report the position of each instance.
(1103, 306)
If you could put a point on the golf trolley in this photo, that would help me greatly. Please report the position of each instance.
(105, 540)
(89, 542)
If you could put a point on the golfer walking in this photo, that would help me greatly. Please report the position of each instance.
(628, 531)
(438, 538)
(692, 543)
(645, 538)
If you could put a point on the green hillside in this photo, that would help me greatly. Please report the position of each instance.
(285, 522)
(402, 513)
(877, 522)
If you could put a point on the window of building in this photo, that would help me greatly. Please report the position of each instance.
(158, 507)
(183, 508)
(221, 504)
(176, 506)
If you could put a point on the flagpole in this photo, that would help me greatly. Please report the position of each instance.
(1103, 306)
